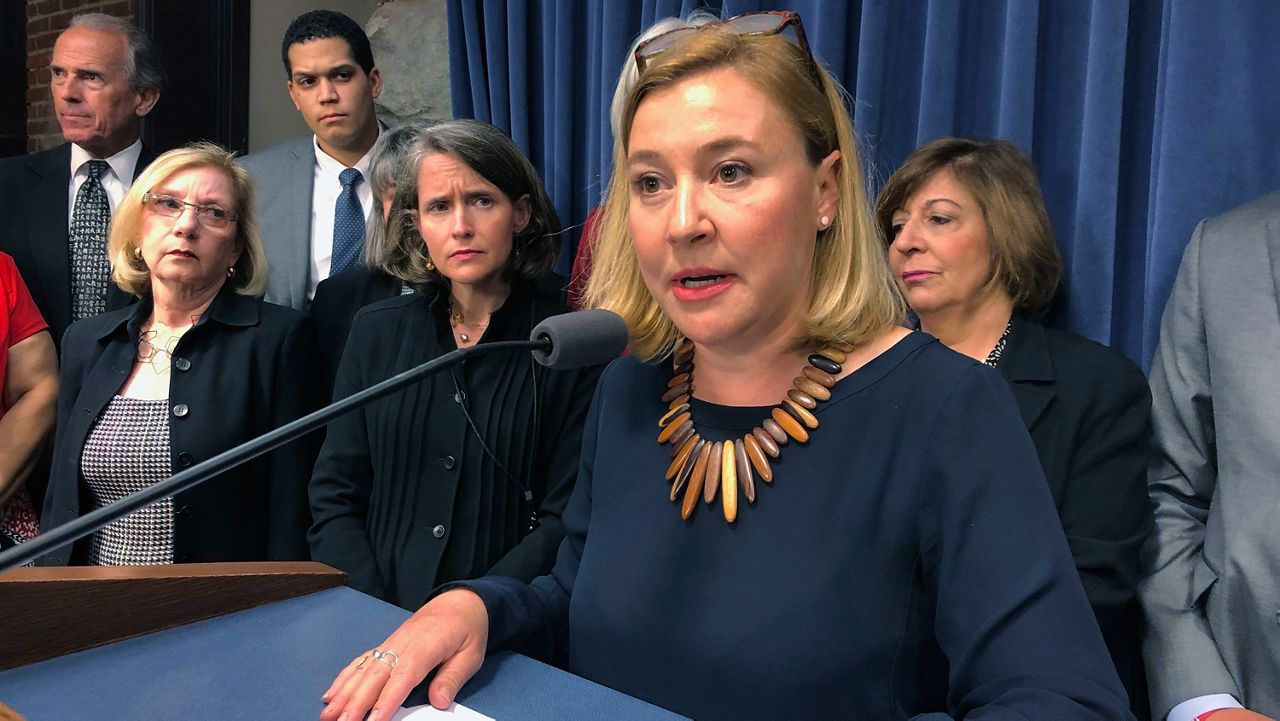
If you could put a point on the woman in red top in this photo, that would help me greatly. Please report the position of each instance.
(28, 394)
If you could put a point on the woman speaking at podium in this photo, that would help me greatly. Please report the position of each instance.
(789, 506)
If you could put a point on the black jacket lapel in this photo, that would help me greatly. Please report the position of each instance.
(1027, 366)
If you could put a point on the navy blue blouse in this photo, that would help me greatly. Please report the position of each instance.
(906, 562)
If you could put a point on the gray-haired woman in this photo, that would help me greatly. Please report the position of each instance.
(465, 474)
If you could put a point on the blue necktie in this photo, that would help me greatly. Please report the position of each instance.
(90, 220)
(348, 224)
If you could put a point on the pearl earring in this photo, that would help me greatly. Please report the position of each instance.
(824, 221)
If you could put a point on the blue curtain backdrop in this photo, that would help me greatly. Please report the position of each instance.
(1142, 117)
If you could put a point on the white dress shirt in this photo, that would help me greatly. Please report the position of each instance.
(325, 189)
(116, 182)
(1189, 709)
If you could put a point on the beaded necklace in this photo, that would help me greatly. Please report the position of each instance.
(993, 358)
(699, 468)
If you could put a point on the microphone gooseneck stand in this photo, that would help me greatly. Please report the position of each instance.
(183, 480)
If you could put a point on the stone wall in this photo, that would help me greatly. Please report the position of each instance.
(410, 41)
(45, 19)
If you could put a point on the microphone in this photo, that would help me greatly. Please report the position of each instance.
(576, 340)
(571, 340)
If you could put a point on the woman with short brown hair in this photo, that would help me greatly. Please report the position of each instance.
(973, 250)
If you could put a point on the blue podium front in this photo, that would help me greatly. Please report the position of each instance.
(274, 661)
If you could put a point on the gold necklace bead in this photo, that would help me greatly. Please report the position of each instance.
(729, 482)
(712, 482)
(758, 460)
(743, 466)
(701, 468)
(677, 464)
(766, 441)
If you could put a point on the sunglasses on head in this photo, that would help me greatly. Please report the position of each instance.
(757, 24)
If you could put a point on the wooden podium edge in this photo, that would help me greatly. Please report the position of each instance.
(49, 612)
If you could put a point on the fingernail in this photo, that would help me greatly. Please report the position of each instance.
(345, 715)
(373, 715)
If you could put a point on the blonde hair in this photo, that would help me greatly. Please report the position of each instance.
(1025, 262)
(852, 296)
(131, 273)
(629, 74)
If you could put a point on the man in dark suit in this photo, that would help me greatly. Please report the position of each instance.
(313, 197)
(55, 206)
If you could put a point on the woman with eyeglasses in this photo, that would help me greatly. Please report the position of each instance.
(789, 505)
(199, 365)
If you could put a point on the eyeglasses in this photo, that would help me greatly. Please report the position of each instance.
(210, 216)
(757, 24)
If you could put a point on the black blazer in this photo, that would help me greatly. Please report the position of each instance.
(246, 368)
(1088, 410)
(33, 229)
(426, 485)
(337, 300)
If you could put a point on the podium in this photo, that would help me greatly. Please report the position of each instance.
(272, 639)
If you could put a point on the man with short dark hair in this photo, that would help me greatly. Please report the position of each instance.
(55, 206)
(312, 198)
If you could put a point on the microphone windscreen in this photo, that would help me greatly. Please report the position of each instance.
(584, 338)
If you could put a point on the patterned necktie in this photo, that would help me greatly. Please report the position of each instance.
(90, 219)
(348, 224)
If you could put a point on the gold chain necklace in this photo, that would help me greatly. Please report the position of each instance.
(699, 468)
(455, 320)
(157, 352)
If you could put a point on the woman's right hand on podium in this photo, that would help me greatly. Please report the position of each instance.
(451, 632)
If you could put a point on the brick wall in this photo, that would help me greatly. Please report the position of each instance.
(45, 19)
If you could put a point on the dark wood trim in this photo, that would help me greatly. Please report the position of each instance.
(49, 612)
(205, 44)
(13, 79)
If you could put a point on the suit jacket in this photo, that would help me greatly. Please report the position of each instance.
(1088, 411)
(283, 182)
(1212, 598)
(33, 229)
(246, 368)
(335, 305)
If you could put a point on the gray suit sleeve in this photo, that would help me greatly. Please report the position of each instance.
(282, 178)
(1182, 657)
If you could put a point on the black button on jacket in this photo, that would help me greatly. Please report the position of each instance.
(253, 367)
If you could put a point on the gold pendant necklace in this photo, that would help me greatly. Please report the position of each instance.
(455, 320)
(699, 468)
